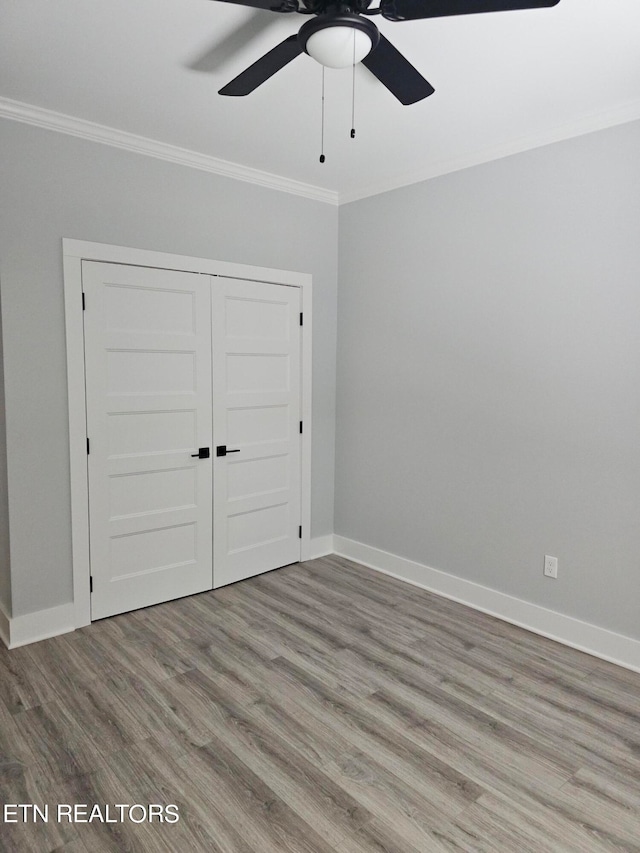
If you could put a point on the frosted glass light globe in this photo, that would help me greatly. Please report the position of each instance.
(334, 46)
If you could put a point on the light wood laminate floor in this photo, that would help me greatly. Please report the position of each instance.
(321, 708)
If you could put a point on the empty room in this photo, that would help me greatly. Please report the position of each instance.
(319, 457)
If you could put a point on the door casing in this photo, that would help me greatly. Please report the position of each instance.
(74, 252)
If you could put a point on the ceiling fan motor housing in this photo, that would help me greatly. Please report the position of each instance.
(349, 22)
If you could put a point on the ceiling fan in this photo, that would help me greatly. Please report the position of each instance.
(340, 34)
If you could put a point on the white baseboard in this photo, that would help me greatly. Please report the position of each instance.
(584, 636)
(22, 630)
(5, 623)
(40, 625)
(319, 547)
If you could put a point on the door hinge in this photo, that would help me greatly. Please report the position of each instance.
(300, 427)
(300, 532)
(88, 447)
(301, 318)
(83, 303)
(90, 583)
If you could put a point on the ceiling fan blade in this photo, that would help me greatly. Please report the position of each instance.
(414, 10)
(397, 73)
(220, 52)
(264, 68)
(267, 5)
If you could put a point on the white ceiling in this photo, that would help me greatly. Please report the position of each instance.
(504, 82)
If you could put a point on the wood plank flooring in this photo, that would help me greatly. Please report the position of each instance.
(321, 708)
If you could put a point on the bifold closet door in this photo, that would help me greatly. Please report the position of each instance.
(149, 410)
(256, 427)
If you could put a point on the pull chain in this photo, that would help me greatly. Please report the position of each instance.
(322, 122)
(353, 89)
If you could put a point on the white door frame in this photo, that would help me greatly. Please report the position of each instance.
(74, 252)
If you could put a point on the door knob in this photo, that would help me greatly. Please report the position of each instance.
(221, 450)
(203, 453)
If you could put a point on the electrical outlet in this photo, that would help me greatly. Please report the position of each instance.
(550, 566)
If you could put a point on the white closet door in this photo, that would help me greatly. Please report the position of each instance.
(148, 373)
(256, 417)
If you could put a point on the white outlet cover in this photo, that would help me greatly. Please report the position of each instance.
(550, 566)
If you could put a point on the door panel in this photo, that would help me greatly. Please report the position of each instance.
(148, 374)
(256, 370)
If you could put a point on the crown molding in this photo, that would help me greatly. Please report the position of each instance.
(588, 124)
(51, 120)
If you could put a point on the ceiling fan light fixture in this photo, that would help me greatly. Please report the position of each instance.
(335, 47)
(340, 40)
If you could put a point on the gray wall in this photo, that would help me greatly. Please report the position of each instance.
(5, 564)
(54, 186)
(489, 375)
